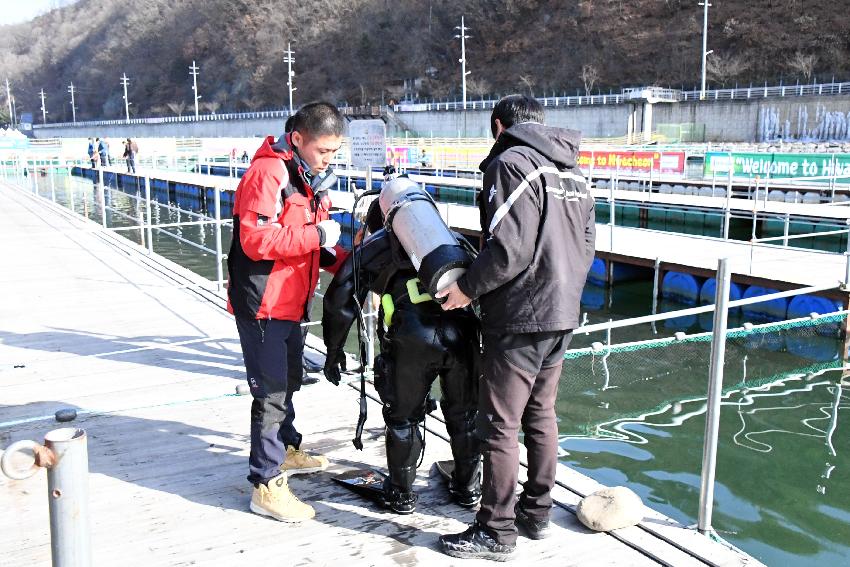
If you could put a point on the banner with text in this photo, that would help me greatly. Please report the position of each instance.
(631, 162)
(803, 167)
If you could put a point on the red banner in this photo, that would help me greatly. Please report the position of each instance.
(631, 162)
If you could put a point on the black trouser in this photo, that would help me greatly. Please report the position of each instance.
(272, 353)
(518, 388)
(131, 165)
(421, 344)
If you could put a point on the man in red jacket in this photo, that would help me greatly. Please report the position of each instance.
(282, 234)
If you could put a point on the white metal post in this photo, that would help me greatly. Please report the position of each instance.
(714, 397)
(218, 252)
(705, 53)
(193, 70)
(102, 191)
(125, 81)
(289, 59)
(148, 214)
(43, 108)
(73, 106)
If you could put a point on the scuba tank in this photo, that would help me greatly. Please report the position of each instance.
(411, 214)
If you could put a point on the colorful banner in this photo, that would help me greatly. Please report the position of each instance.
(631, 162)
(811, 167)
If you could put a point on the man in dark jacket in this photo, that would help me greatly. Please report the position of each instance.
(282, 234)
(537, 224)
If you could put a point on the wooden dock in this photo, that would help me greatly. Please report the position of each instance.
(145, 352)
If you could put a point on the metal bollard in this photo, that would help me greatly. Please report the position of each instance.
(65, 456)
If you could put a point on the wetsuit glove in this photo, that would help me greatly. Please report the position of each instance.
(334, 362)
(329, 229)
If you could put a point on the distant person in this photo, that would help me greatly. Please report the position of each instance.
(92, 152)
(130, 151)
(537, 220)
(245, 158)
(103, 151)
(282, 235)
(423, 158)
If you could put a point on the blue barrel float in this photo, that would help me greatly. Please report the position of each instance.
(598, 274)
(593, 297)
(681, 287)
(820, 343)
(766, 311)
(706, 297)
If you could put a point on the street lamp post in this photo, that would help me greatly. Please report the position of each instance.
(463, 72)
(193, 70)
(705, 53)
(43, 108)
(125, 81)
(73, 106)
(289, 59)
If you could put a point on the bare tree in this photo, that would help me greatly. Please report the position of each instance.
(528, 82)
(723, 68)
(804, 64)
(211, 106)
(589, 75)
(477, 87)
(176, 107)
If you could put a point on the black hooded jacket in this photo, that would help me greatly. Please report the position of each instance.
(538, 226)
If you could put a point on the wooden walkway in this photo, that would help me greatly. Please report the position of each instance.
(151, 360)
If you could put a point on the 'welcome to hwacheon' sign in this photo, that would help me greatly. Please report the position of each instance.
(808, 167)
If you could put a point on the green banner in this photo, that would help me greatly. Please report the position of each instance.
(811, 167)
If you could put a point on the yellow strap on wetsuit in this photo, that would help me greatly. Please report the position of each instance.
(415, 297)
(413, 292)
(389, 308)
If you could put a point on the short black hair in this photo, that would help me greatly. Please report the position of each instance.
(318, 119)
(516, 108)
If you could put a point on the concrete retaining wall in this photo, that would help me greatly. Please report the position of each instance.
(809, 118)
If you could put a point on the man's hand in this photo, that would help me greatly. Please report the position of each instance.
(334, 363)
(455, 298)
(331, 230)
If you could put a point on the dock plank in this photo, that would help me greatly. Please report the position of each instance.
(168, 439)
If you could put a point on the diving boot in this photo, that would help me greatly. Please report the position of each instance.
(301, 462)
(465, 484)
(275, 500)
(398, 501)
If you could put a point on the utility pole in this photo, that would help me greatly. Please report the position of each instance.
(193, 70)
(289, 59)
(43, 108)
(73, 108)
(463, 72)
(704, 45)
(125, 81)
(9, 100)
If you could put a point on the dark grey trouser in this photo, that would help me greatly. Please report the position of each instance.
(518, 388)
(272, 353)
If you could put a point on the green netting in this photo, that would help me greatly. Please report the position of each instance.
(702, 337)
(604, 384)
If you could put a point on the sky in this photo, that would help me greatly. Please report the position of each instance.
(16, 11)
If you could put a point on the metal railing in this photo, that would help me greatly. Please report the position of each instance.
(721, 306)
(737, 93)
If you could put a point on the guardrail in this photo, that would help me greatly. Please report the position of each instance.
(738, 93)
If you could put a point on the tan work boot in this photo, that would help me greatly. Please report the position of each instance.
(301, 462)
(278, 502)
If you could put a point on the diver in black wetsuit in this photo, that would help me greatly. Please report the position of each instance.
(419, 341)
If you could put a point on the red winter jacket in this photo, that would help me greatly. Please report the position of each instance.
(273, 263)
